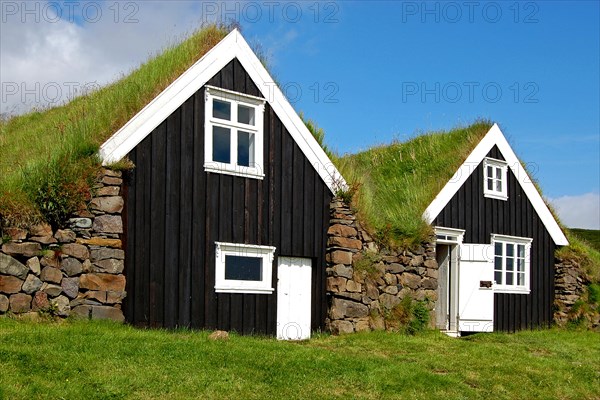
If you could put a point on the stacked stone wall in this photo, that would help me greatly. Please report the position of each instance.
(365, 282)
(77, 270)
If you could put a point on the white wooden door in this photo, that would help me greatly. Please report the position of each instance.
(293, 298)
(475, 299)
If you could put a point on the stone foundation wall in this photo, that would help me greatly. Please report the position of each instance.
(365, 283)
(570, 287)
(77, 270)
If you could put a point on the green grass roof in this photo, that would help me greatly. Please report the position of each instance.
(395, 183)
(47, 158)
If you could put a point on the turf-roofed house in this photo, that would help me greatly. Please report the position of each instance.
(227, 208)
(495, 237)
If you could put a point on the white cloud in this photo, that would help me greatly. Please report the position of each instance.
(579, 211)
(41, 58)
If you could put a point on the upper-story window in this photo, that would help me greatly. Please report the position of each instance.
(233, 133)
(494, 179)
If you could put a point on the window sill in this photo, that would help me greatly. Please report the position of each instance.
(495, 196)
(509, 290)
(243, 290)
(218, 169)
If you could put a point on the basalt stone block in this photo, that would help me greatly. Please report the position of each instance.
(108, 191)
(111, 205)
(341, 327)
(108, 224)
(340, 257)
(51, 289)
(52, 275)
(110, 266)
(105, 282)
(10, 284)
(76, 250)
(4, 303)
(40, 301)
(62, 306)
(65, 236)
(32, 284)
(10, 266)
(341, 230)
(80, 223)
(20, 303)
(71, 266)
(104, 253)
(24, 249)
(96, 241)
(70, 287)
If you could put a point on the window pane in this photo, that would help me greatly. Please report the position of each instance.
(498, 249)
(498, 277)
(490, 171)
(510, 249)
(520, 265)
(490, 184)
(509, 278)
(521, 251)
(243, 268)
(221, 109)
(499, 173)
(521, 279)
(498, 186)
(245, 149)
(498, 263)
(246, 115)
(221, 144)
(510, 264)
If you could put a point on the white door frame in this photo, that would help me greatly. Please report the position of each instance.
(448, 284)
(294, 285)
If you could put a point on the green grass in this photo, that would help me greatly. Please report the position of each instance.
(102, 360)
(395, 183)
(591, 237)
(583, 252)
(63, 139)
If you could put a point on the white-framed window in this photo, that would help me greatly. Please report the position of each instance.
(243, 268)
(511, 263)
(233, 133)
(448, 235)
(494, 179)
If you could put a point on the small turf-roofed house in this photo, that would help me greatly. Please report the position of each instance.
(496, 240)
(227, 208)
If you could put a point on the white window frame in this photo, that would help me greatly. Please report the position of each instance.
(448, 235)
(266, 253)
(495, 164)
(255, 170)
(512, 240)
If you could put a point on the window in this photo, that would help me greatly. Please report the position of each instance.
(448, 235)
(494, 179)
(243, 268)
(511, 263)
(233, 133)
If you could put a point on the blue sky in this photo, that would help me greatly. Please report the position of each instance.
(367, 72)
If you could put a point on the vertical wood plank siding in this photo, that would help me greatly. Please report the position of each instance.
(175, 212)
(481, 217)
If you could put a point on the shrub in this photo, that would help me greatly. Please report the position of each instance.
(409, 316)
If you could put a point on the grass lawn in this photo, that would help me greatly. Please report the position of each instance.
(101, 360)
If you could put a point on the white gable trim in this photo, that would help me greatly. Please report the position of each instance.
(495, 137)
(232, 46)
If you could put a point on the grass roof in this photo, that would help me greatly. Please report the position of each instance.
(47, 157)
(395, 183)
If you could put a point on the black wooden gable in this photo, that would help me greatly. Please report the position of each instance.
(481, 217)
(175, 212)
